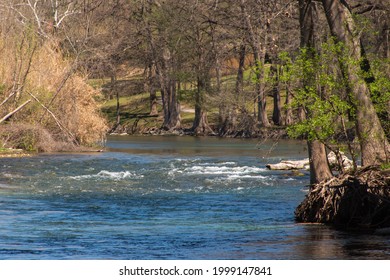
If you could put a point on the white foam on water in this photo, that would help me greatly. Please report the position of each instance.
(109, 175)
(221, 170)
(233, 177)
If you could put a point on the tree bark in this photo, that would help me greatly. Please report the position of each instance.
(374, 146)
(151, 86)
(200, 125)
(319, 166)
(172, 119)
(260, 92)
(162, 57)
(289, 112)
(277, 112)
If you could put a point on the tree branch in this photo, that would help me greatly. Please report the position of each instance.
(15, 111)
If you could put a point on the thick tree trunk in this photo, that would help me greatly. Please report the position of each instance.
(318, 162)
(172, 119)
(164, 65)
(200, 125)
(374, 146)
(319, 166)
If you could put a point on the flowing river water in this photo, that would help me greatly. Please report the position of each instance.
(166, 198)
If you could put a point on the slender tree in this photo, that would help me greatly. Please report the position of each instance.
(319, 166)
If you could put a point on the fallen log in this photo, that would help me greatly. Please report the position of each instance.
(290, 164)
(305, 163)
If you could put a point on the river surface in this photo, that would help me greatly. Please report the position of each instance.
(166, 198)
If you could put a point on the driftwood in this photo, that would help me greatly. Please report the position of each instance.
(361, 201)
(289, 165)
(305, 164)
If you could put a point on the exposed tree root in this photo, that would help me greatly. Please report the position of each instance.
(361, 201)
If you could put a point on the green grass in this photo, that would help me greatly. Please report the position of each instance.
(134, 109)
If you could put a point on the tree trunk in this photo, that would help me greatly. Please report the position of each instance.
(228, 118)
(162, 57)
(240, 72)
(172, 119)
(151, 85)
(289, 112)
(200, 125)
(259, 49)
(277, 112)
(14, 111)
(260, 91)
(319, 166)
(115, 92)
(374, 146)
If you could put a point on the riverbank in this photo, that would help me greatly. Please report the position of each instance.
(274, 132)
(14, 153)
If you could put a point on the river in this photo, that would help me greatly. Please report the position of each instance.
(166, 198)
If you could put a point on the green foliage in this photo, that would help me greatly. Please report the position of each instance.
(385, 166)
(321, 94)
(3, 87)
(286, 73)
(380, 86)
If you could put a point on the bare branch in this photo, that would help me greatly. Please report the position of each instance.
(59, 124)
(15, 111)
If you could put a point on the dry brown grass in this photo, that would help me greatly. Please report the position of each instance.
(62, 102)
(28, 137)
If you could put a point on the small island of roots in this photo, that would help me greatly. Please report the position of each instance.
(354, 202)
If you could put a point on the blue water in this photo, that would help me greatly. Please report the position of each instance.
(166, 198)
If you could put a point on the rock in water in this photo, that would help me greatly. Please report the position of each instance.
(361, 201)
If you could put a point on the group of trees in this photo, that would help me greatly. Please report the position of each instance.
(343, 98)
(327, 60)
(218, 50)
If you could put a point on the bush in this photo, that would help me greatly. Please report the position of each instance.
(28, 137)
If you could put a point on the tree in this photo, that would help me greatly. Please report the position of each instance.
(319, 166)
(373, 142)
(200, 34)
(155, 30)
(257, 26)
